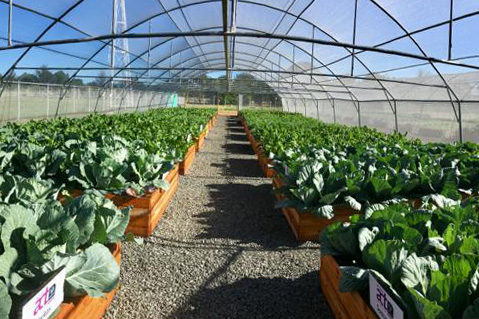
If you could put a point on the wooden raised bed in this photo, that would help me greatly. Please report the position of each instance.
(306, 226)
(345, 305)
(200, 141)
(186, 163)
(148, 210)
(86, 307)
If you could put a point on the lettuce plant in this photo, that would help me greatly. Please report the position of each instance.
(429, 257)
(39, 239)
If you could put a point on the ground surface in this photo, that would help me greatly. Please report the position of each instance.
(221, 250)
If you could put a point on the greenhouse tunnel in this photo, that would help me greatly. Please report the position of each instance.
(395, 66)
(383, 64)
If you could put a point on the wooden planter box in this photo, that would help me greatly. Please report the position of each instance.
(148, 209)
(186, 163)
(345, 305)
(200, 141)
(307, 226)
(87, 307)
(264, 161)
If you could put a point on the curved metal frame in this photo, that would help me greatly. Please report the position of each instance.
(353, 50)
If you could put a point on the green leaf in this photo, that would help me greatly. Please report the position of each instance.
(353, 203)
(5, 301)
(98, 275)
(325, 211)
(366, 236)
(415, 272)
(353, 279)
(472, 311)
(427, 309)
(387, 257)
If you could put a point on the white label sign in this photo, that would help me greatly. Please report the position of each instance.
(382, 303)
(47, 300)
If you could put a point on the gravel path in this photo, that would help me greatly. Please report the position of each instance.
(221, 250)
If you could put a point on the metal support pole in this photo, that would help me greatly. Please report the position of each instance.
(451, 15)
(312, 60)
(89, 100)
(279, 68)
(112, 56)
(334, 111)
(294, 65)
(396, 123)
(295, 104)
(74, 100)
(461, 133)
(149, 49)
(317, 109)
(354, 36)
(359, 114)
(18, 100)
(10, 20)
(48, 100)
(304, 104)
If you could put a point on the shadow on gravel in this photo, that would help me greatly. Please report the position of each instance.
(235, 129)
(259, 298)
(239, 167)
(245, 213)
(238, 137)
(239, 149)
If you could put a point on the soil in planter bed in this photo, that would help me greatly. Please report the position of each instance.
(221, 250)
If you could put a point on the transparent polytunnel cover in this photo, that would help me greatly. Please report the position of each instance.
(387, 55)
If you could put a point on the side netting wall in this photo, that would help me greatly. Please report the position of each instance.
(429, 121)
(22, 101)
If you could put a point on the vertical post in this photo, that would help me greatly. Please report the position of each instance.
(149, 49)
(48, 100)
(354, 35)
(295, 104)
(334, 111)
(304, 104)
(18, 100)
(312, 60)
(279, 68)
(112, 56)
(317, 109)
(451, 16)
(89, 100)
(294, 65)
(459, 111)
(74, 100)
(359, 114)
(10, 20)
(171, 52)
(396, 123)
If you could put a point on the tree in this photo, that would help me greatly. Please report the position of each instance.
(28, 77)
(101, 79)
(43, 75)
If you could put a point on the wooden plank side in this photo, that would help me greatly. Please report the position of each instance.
(345, 305)
(87, 307)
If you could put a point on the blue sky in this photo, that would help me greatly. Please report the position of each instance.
(333, 16)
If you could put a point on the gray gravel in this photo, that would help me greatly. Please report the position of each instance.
(221, 251)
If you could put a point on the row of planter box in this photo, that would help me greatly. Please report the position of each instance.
(264, 161)
(145, 216)
(306, 226)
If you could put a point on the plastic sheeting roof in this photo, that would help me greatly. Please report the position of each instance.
(359, 50)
